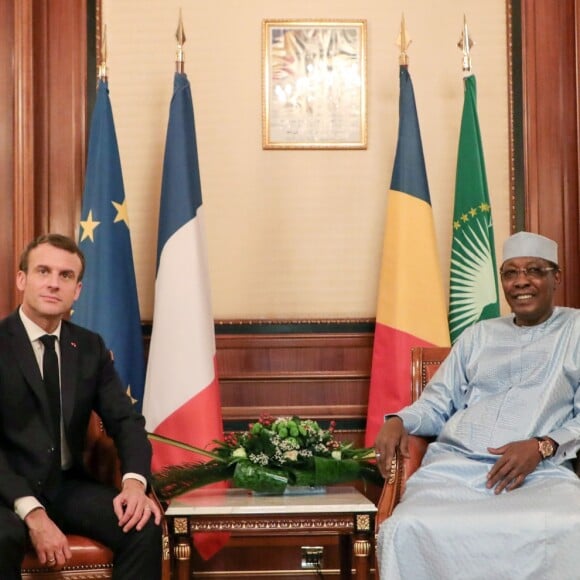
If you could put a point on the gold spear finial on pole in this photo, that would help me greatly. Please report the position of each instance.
(465, 43)
(403, 43)
(180, 36)
(102, 67)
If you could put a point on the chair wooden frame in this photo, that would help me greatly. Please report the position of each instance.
(424, 362)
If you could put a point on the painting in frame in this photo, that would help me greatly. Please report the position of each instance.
(314, 84)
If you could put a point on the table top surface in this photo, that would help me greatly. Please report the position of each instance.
(212, 502)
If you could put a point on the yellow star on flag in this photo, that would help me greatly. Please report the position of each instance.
(133, 401)
(122, 215)
(89, 227)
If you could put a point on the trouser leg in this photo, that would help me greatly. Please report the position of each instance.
(13, 541)
(86, 508)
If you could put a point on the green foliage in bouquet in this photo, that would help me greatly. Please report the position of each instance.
(270, 456)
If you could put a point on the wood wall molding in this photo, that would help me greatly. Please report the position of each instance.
(7, 153)
(23, 192)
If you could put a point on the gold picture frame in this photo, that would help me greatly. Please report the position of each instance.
(314, 84)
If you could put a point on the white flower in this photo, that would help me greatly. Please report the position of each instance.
(336, 454)
(239, 452)
(291, 455)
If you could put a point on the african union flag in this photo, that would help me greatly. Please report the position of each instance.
(473, 290)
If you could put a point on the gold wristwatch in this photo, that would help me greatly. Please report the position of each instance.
(546, 447)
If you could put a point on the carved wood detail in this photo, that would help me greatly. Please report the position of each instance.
(273, 524)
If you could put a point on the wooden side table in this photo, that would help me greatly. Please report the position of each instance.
(340, 510)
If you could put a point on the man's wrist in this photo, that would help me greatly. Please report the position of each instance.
(25, 505)
(393, 416)
(135, 477)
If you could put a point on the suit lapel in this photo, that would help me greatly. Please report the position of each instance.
(24, 355)
(68, 371)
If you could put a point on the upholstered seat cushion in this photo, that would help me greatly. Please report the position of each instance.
(86, 554)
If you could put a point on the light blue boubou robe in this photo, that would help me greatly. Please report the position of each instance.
(500, 383)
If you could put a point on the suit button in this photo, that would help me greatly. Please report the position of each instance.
(51, 449)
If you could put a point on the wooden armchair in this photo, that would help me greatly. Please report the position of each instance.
(424, 362)
(91, 560)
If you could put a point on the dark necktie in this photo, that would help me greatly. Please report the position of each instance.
(51, 377)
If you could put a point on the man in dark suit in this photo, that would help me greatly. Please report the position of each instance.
(44, 489)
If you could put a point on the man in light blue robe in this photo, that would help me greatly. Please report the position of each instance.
(496, 496)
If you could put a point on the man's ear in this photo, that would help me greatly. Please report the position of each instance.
(20, 280)
(78, 290)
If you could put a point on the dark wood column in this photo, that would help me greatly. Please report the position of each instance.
(550, 129)
(8, 96)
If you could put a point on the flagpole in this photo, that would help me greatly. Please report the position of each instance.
(102, 67)
(403, 43)
(473, 286)
(465, 43)
(180, 37)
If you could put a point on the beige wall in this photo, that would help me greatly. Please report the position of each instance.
(298, 234)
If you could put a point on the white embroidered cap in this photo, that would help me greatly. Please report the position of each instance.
(528, 245)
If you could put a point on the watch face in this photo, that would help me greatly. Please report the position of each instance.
(546, 448)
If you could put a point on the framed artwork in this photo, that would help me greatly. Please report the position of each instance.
(314, 84)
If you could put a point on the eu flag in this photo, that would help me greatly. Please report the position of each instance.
(108, 303)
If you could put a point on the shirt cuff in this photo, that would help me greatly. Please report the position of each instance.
(24, 505)
(136, 476)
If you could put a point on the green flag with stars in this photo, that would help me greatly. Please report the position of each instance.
(473, 288)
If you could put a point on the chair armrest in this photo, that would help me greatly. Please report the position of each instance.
(401, 470)
(165, 539)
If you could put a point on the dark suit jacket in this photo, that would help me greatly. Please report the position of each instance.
(88, 382)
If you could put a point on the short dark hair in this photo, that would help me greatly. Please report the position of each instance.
(58, 241)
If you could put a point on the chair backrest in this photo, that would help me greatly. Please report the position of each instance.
(100, 456)
(425, 360)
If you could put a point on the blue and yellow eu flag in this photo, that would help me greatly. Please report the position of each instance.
(108, 303)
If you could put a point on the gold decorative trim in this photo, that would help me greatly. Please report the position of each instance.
(272, 322)
(361, 548)
(180, 525)
(182, 551)
(363, 522)
(165, 548)
(341, 523)
(511, 120)
(78, 572)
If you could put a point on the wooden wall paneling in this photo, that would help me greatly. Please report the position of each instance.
(8, 62)
(550, 127)
(60, 53)
(318, 375)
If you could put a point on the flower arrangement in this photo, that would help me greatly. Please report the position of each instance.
(272, 456)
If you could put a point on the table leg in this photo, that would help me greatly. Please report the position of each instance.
(345, 553)
(181, 549)
(182, 553)
(362, 552)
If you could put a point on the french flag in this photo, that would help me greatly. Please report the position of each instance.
(182, 397)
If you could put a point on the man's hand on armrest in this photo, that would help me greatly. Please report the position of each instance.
(392, 436)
